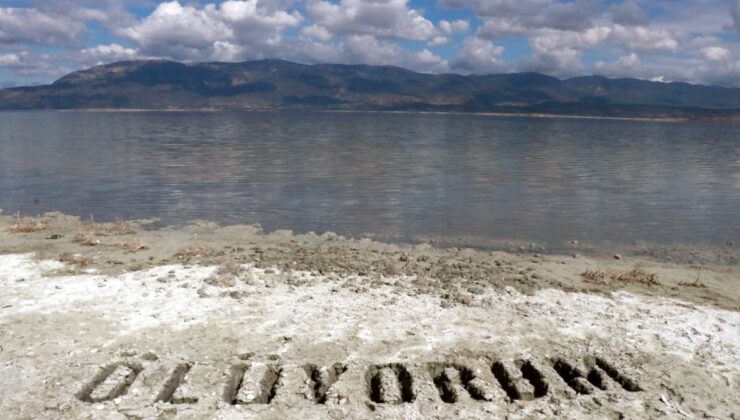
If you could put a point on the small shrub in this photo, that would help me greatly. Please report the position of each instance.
(696, 283)
(231, 268)
(693, 284)
(27, 225)
(390, 270)
(594, 276)
(86, 239)
(636, 275)
(134, 246)
(119, 227)
(75, 259)
(226, 275)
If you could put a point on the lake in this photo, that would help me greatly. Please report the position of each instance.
(408, 177)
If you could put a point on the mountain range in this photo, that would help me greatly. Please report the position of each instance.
(276, 84)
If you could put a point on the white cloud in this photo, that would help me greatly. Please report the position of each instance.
(494, 27)
(560, 31)
(32, 64)
(306, 49)
(684, 40)
(9, 60)
(629, 13)
(478, 56)
(390, 19)
(234, 30)
(531, 14)
(559, 52)
(180, 31)
(365, 49)
(226, 51)
(454, 27)
(629, 65)
(255, 13)
(316, 32)
(724, 73)
(20, 26)
(735, 14)
(86, 14)
(556, 40)
(438, 40)
(427, 61)
(715, 53)
(645, 38)
(107, 53)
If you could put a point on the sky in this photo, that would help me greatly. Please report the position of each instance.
(696, 41)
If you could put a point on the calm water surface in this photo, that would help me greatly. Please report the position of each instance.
(395, 175)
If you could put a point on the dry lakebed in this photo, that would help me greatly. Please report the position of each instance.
(127, 321)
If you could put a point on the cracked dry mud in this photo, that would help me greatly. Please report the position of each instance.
(324, 327)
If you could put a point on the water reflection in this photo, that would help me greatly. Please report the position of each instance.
(400, 175)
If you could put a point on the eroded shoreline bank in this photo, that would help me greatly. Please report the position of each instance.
(115, 248)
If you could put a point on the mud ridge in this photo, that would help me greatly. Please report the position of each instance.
(323, 379)
(168, 390)
(391, 384)
(111, 382)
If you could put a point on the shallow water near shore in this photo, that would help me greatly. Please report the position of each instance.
(473, 180)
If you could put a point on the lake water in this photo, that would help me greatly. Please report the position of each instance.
(475, 179)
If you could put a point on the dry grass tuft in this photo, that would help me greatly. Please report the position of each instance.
(226, 275)
(595, 276)
(86, 239)
(75, 259)
(28, 224)
(231, 268)
(116, 228)
(134, 246)
(693, 284)
(636, 275)
(696, 283)
(197, 250)
(93, 230)
(390, 270)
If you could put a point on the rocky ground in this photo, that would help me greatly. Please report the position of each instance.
(120, 320)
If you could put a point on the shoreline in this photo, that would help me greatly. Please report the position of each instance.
(700, 274)
(481, 114)
(202, 321)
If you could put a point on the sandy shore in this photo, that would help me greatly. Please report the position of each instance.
(201, 321)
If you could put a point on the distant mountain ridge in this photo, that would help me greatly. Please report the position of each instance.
(276, 84)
